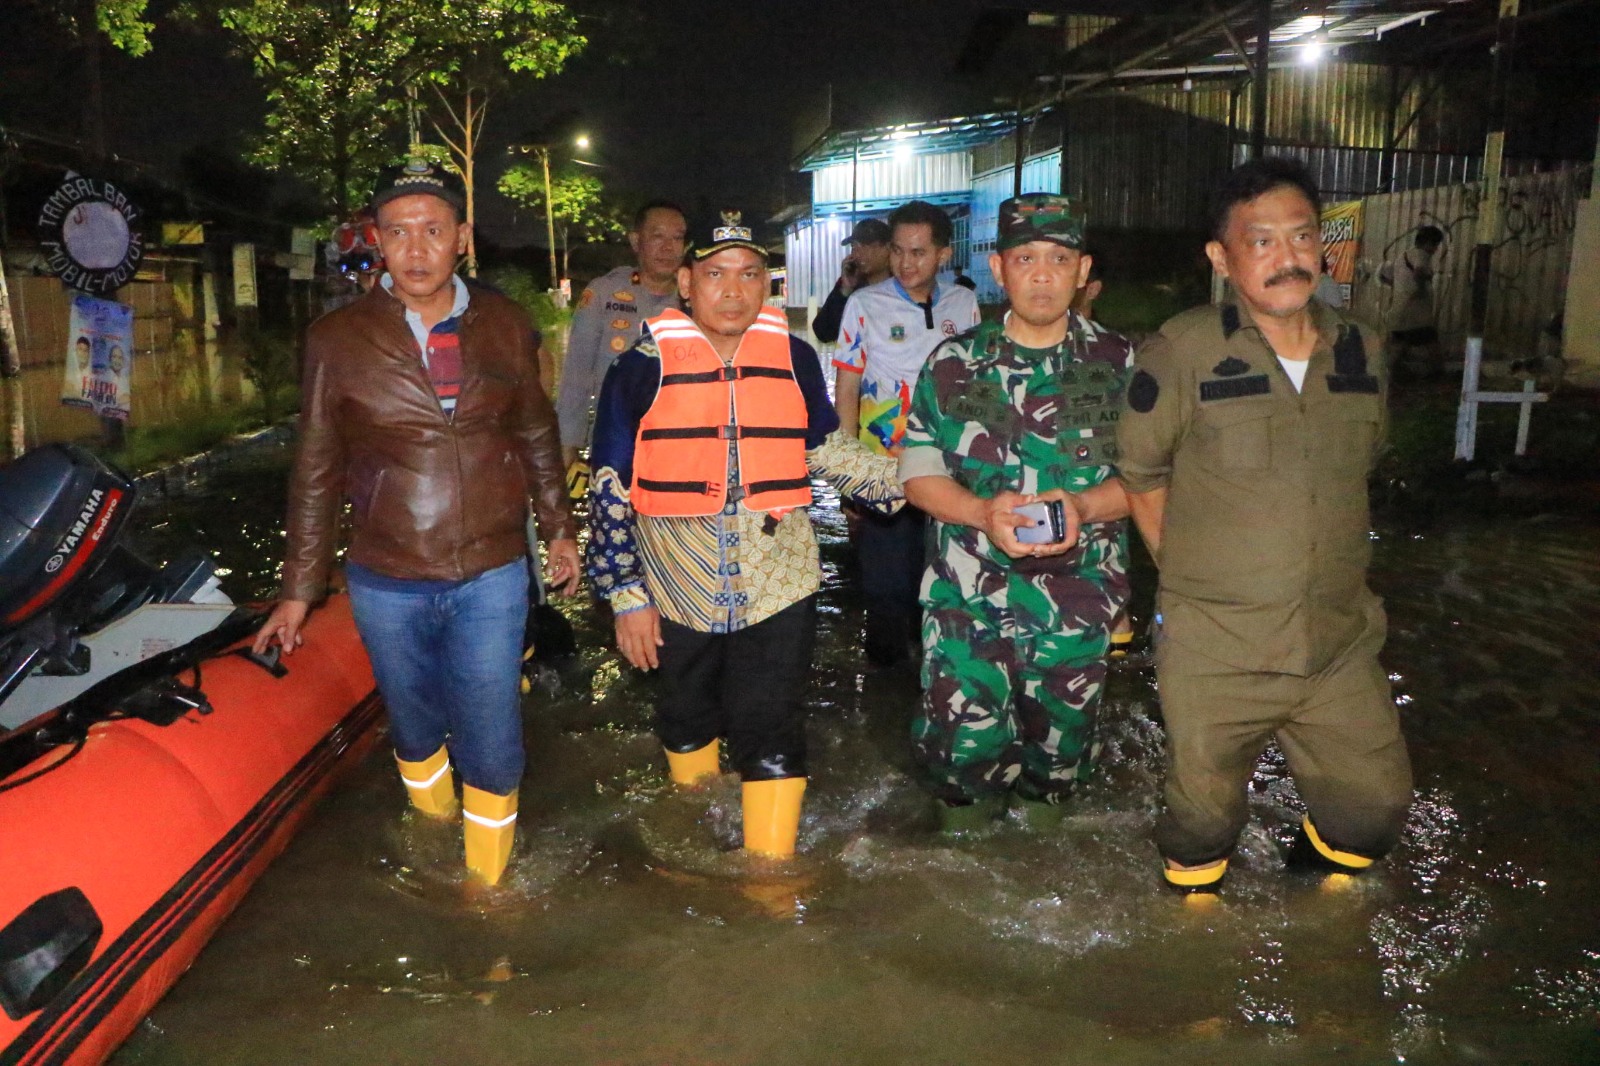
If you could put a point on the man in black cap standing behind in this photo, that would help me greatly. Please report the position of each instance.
(421, 405)
(867, 264)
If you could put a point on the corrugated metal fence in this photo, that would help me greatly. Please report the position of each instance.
(1042, 173)
(813, 253)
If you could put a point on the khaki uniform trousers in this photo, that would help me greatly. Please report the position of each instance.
(1338, 729)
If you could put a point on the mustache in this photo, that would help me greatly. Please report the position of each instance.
(1290, 274)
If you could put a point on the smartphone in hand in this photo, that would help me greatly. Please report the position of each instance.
(1047, 522)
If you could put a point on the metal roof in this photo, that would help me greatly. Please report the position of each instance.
(917, 138)
(1175, 36)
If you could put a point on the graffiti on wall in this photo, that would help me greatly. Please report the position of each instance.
(1528, 263)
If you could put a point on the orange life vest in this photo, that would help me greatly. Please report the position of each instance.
(680, 459)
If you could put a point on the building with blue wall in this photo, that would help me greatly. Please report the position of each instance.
(867, 173)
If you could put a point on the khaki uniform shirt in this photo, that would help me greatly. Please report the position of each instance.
(605, 324)
(1265, 546)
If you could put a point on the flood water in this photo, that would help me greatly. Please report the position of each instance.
(631, 932)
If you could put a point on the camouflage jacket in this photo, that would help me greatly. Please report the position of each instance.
(995, 416)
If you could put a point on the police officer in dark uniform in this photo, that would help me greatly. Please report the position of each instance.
(1251, 429)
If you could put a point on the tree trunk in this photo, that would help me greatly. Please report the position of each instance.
(469, 146)
(341, 170)
(94, 114)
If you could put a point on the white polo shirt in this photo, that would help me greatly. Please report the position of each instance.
(886, 337)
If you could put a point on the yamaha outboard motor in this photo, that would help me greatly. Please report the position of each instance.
(65, 577)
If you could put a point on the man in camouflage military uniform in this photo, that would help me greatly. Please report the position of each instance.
(1014, 634)
(1250, 432)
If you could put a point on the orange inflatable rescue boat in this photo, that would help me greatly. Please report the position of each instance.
(168, 770)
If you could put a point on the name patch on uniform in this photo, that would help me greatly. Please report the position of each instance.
(983, 402)
(621, 308)
(1353, 383)
(1233, 388)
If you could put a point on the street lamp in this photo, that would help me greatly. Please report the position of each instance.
(543, 152)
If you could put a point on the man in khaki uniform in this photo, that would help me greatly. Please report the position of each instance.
(606, 323)
(1250, 431)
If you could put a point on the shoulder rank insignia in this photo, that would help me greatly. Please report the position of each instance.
(1231, 367)
(1230, 320)
(1350, 365)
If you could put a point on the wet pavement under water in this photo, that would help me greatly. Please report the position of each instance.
(631, 931)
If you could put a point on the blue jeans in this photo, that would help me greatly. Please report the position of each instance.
(447, 656)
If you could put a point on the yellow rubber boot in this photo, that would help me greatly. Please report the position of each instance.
(689, 767)
(489, 827)
(772, 816)
(430, 784)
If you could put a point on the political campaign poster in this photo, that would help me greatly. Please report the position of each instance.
(1341, 244)
(99, 369)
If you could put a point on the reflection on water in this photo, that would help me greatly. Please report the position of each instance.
(631, 930)
(169, 383)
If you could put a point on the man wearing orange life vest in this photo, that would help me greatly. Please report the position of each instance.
(707, 434)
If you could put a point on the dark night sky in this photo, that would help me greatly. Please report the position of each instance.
(704, 110)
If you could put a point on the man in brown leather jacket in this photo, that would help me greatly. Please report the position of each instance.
(422, 406)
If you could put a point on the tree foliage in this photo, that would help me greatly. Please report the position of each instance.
(337, 72)
(579, 209)
(578, 198)
(122, 21)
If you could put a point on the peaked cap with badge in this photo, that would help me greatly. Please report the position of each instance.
(733, 233)
(420, 176)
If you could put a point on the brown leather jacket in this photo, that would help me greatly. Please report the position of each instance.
(432, 498)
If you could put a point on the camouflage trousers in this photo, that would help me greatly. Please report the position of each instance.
(1006, 706)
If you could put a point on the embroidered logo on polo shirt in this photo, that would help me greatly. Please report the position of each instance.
(897, 332)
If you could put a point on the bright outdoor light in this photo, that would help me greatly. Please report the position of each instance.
(582, 140)
(1312, 52)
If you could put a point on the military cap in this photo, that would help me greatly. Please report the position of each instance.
(1040, 216)
(418, 176)
(731, 234)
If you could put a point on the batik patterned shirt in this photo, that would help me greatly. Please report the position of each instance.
(722, 572)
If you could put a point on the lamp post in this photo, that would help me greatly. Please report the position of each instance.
(581, 141)
(550, 220)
